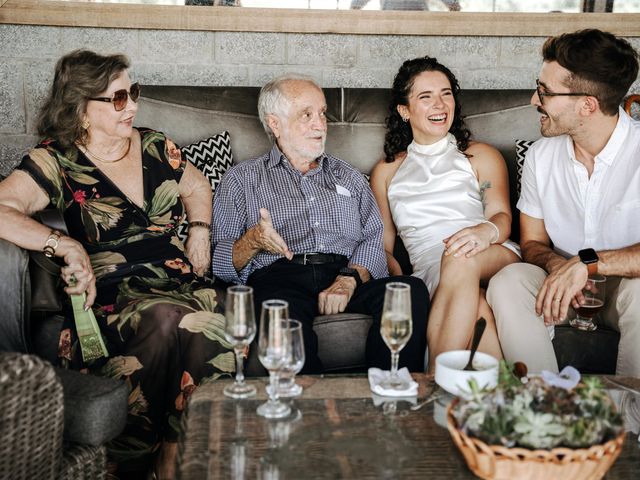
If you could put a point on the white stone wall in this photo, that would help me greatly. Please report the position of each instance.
(161, 57)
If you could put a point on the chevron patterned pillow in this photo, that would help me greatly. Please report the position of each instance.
(213, 158)
(521, 151)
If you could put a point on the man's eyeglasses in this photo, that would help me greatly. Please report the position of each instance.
(119, 98)
(542, 94)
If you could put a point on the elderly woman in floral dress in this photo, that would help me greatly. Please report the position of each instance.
(122, 192)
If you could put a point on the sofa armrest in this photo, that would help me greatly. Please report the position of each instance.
(15, 294)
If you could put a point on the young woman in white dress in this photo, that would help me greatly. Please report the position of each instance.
(448, 199)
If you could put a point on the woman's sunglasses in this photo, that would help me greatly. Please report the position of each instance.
(119, 98)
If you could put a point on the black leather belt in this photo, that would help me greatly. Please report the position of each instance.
(318, 258)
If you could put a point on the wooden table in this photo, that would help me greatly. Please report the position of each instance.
(336, 430)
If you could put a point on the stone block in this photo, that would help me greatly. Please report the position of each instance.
(322, 49)
(12, 149)
(30, 41)
(261, 74)
(249, 48)
(195, 75)
(154, 73)
(105, 41)
(390, 51)
(12, 108)
(174, 46)
(496, 79)
(358, 77)
(38, 80)
(212, 75)
(520, 52)
(469, 52)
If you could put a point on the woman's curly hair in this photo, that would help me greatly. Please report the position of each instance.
(399, 134)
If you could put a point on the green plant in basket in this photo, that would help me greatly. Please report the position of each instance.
(541, 412)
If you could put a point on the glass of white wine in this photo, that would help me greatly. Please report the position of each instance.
(396, 328)
(239, 330)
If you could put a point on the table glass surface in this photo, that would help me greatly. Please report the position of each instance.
(338, 429)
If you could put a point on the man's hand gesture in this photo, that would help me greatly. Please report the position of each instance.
(266, 238)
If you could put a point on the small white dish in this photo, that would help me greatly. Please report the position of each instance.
(452, 378)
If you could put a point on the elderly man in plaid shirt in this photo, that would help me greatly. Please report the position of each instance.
(303, 226)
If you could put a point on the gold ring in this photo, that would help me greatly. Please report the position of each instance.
(556, 300)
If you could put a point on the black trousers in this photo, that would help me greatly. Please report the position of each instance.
(300, 285)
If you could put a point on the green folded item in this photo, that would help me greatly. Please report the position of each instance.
(91, 342)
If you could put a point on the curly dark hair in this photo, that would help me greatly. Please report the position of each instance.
(79, 75)
(399, 134)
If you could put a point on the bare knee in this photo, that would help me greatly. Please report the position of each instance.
(459, 267)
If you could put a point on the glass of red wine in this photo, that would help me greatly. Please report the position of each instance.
(592, 302)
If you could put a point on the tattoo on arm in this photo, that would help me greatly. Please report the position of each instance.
(483, 188)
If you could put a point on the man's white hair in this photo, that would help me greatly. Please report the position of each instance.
(273, 99)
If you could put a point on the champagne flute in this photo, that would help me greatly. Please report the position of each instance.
(594, 295)
(239, 330)
(274, 345)
(396, 328)
(287, 386)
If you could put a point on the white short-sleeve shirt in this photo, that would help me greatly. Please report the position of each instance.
(601, 212)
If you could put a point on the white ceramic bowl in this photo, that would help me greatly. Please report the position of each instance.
(452, 378)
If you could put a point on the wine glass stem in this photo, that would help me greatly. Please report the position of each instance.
(394, 365)
(273, 380)
(239, 365)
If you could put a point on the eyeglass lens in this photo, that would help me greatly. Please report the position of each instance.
(120, 97)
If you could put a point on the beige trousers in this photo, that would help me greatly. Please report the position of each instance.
(523, 335)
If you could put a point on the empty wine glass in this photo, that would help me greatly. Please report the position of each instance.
(594, 295)
(396, 328)
(287, 386)
(274, 345)
(239, 330)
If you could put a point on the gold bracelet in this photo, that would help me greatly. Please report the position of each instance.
(52, 243)
(200, 224)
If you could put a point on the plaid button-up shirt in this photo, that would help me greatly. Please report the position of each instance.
(330, 209)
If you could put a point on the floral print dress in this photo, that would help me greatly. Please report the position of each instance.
(161, 324)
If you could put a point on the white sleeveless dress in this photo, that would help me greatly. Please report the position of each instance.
(434, 194)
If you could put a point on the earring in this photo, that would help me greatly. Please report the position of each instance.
(405, 119)
(85, 124)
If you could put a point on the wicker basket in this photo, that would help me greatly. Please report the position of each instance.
(502, 463)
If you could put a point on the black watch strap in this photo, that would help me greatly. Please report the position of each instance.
(351, 272)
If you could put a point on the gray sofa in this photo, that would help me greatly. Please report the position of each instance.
(356, 133)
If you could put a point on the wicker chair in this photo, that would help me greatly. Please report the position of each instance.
(32, 424)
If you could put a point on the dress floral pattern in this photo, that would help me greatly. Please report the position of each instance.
(161, 324)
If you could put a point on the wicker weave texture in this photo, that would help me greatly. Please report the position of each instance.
(83, 462)
(31, 418)
(496, 462)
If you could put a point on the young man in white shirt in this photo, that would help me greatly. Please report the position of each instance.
(580, 203)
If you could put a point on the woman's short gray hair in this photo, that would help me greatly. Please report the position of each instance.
(273, 99)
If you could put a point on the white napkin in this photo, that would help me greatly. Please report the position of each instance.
(376, 376)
